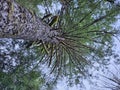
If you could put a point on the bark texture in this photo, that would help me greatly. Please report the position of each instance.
(19, 23)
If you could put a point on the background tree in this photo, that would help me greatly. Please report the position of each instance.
(84, 37)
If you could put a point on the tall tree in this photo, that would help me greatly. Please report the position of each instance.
(81, 36)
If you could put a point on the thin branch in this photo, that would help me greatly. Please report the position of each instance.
(76, 25)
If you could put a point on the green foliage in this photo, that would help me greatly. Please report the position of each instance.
(20, 80)
(85, 27)
(18, 74)
(30, 4)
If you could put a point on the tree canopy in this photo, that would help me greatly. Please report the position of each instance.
(85, 37)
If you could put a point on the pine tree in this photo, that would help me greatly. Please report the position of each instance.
(81, 36)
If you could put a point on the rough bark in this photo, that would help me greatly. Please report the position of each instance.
(19, 23)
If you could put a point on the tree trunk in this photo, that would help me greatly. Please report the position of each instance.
(19, 23)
